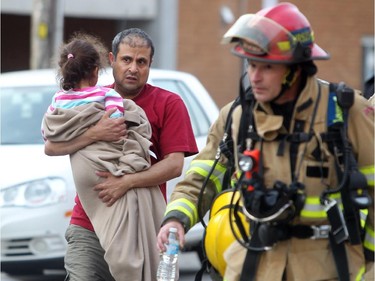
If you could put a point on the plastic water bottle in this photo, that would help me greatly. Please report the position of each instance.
(167, 270)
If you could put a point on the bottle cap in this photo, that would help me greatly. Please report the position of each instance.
(173, 229)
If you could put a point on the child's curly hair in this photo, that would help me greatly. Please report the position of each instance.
(78, 59)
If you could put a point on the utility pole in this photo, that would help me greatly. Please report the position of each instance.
(47, 28)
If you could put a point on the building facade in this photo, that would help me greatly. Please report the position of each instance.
(187, 35)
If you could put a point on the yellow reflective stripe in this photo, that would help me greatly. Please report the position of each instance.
(220, 167)
(369, 239)
(368, 171)
(363, 215)
(217, 181)
(336, 196)
(184, 206)
(202, 167)
(361, 273)
(283, 46)
(338, 112)
(313, 208)
(313, 214)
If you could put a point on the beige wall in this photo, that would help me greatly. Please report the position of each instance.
(339, 26)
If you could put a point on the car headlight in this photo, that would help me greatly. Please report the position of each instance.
(34, 193)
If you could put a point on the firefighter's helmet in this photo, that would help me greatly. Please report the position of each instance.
(279, 34)
(219, 235)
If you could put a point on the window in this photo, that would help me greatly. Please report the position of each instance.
(22, 110)
(368, 58)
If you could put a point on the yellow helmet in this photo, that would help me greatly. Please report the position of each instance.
(219, 235)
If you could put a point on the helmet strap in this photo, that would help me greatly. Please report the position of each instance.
(288, 81)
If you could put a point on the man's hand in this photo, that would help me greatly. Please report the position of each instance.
(164, 231)
(112, 188)
(108, 129)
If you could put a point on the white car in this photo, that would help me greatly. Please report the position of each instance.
(37, 191)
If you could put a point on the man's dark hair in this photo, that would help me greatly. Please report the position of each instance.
(128, 35)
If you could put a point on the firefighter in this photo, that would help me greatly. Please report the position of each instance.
(301, 156)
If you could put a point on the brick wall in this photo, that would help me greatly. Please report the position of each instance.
(338, 25)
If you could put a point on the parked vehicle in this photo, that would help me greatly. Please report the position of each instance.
(37, 191)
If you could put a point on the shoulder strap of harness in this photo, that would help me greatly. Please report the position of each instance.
(350, 178)
(245, 100)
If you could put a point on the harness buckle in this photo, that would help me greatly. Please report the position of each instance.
(320, 232)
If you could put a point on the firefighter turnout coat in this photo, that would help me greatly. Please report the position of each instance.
(292, 259)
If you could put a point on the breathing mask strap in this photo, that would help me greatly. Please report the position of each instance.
(288, 81)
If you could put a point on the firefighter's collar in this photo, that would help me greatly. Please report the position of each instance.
(268, 126)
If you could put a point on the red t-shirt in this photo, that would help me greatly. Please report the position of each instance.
(171, 132)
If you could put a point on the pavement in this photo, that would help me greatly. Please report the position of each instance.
(188, 262)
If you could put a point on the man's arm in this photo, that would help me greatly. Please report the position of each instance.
(114, 188)
(107, 129)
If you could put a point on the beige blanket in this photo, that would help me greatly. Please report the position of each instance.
(127, 230)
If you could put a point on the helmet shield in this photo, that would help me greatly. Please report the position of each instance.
(263, 39)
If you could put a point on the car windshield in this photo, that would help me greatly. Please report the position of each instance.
(22, 110)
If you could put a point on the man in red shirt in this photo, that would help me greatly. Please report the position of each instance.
(172, 139)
